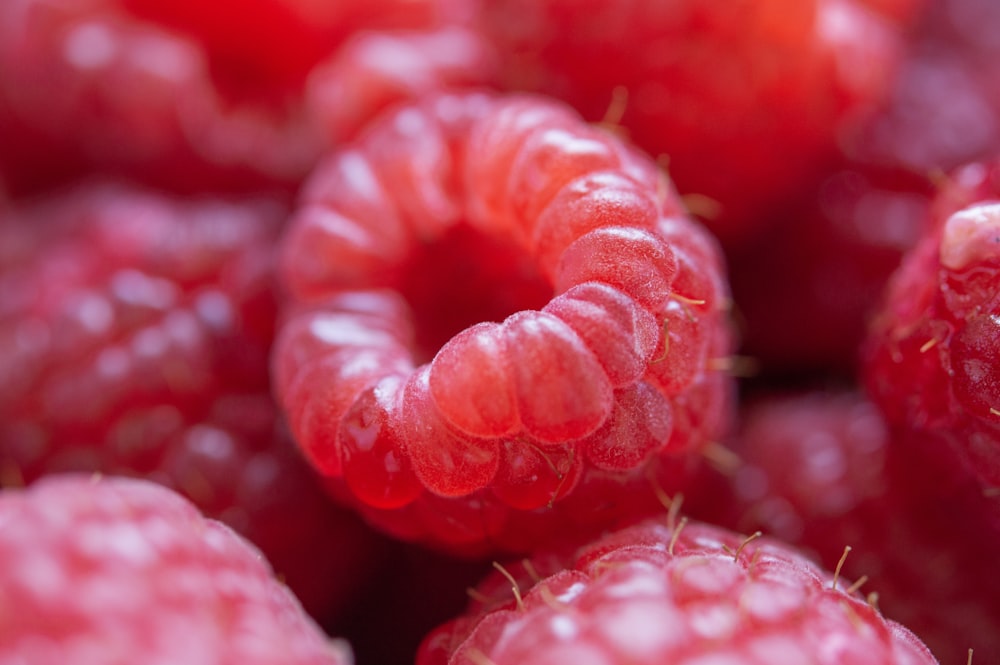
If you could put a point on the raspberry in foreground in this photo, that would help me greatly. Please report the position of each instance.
(671, 592)
(134, 338)
(505, 330)
(114, 572)
(921, 534)
(932, 354)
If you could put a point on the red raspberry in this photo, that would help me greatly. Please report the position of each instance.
(407, 250)
(134, 339)
(198, 101)
(922, 532)
(683, 594)
(746, 99)
(117, 571)
(932, 357)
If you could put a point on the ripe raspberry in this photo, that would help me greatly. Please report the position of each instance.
(922, 532)
(665, 593)
(747, 99)
(117, 571)
(134, 339)
(197, 101)
(448, 427)
(932, 356)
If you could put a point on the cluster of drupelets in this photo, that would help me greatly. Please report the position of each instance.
(415, 293)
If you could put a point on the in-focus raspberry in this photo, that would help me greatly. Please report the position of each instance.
(505, 330)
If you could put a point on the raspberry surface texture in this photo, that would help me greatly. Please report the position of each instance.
(932, 356)
(680, 593)
(504, 329)
(713, 87)
(134, 339)
(218, 98)
(116, 571)
(921, 533)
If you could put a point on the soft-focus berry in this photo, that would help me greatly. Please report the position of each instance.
(114, 571)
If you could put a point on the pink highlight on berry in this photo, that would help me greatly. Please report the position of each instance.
(970, 236)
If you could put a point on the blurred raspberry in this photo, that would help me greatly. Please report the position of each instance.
(134, 339)
(114, 571)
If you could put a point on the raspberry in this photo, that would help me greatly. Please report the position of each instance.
(714, 87)
(117, 571)
(134, 339)
(680, 593)
(505, 325)
(192, 99)
(921, 531)
(937, 328)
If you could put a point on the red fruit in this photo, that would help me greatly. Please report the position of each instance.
(680, 593)
(932, 356)
(198, 98)
(746, 100)
(115, 571)
(920, 531)
(499, 308)
(134, 339)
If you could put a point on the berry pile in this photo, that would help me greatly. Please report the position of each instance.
(474, 332)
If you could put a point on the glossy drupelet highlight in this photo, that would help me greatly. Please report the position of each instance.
(113, 572)
(677, 592)
(500, 311)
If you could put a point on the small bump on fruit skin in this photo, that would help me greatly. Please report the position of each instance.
(113, 571)
(671, 591)
(525, 312)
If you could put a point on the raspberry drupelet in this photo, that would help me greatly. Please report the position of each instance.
(114, 571)
(671, 591)
(135, 330)
(505, 330)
